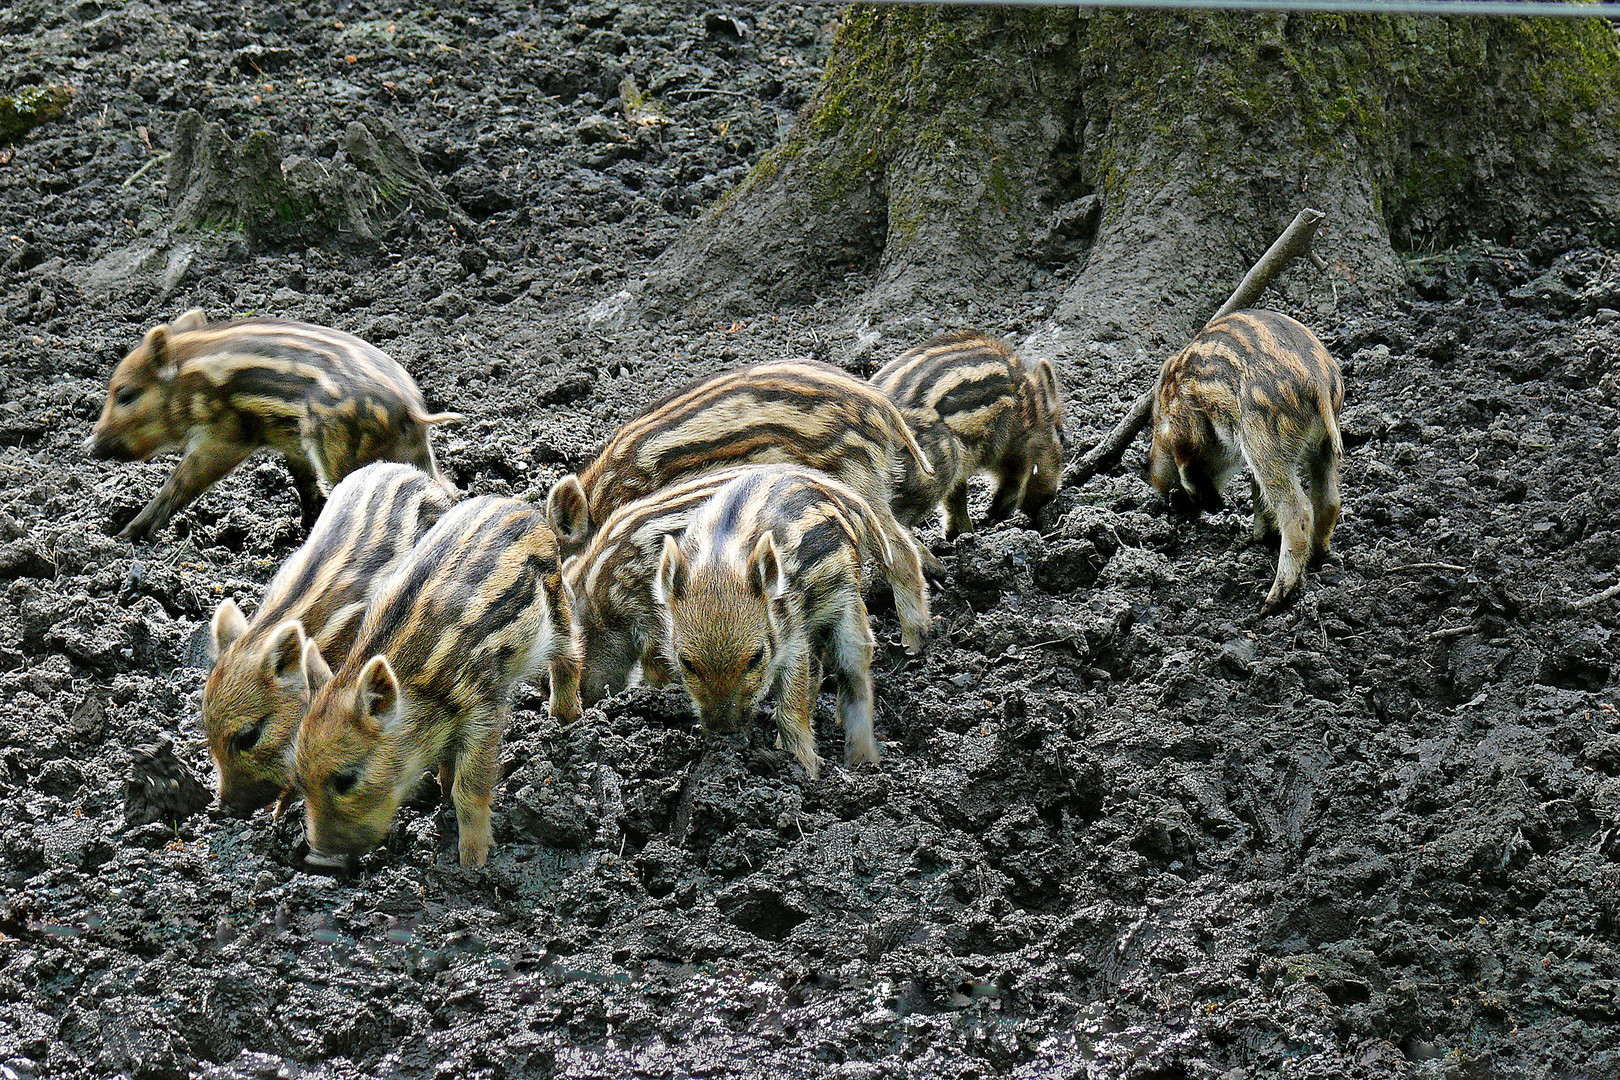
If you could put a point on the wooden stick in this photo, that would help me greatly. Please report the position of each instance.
(140, 172)
(1294, 242)
(1596, 598)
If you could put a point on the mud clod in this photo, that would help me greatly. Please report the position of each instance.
(160, 788)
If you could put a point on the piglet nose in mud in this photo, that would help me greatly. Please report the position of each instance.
(724, 721)
(318, 862)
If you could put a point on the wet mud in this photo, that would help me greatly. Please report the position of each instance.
(1124, 826)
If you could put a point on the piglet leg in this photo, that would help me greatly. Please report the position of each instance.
(205, 461)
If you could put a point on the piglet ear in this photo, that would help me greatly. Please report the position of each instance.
(379, 694)
(568, 512)
(158, 353)
(765, 568)
(284, 655)
(316, 672)
(195, 319)
(1046, 379)
(670, 582)
(226, 626)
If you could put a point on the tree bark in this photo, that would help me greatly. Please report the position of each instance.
(1145, 159)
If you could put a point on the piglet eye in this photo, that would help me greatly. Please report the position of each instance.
(757, 659)
(247, 738)
(127, 396)
(344, 782)
(687, 665)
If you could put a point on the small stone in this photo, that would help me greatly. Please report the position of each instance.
(160, 789)
(596, 128)
(1237, 656)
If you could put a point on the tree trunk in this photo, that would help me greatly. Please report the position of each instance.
(1149, 158)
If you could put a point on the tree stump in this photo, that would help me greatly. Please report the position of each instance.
(216, 183)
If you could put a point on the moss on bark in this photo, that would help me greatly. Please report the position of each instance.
(962, 136)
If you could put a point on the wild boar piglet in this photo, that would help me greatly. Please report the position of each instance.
(977, 406)
(1255, 389)
(326, 400)
(610, 585)
(764, 587)
(255, 695)
(793, 412)
(477, 606)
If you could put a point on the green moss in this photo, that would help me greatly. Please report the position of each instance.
(1409, 102)
(911, 76)
(28, 108)
(295, 211)
(208, 223)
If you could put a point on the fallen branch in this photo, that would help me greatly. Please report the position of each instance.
(703, 91)
(1596, 598)
(1294, 242)
(1453, 567)
(144, 169)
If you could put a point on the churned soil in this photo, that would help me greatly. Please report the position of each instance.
(1124, 826)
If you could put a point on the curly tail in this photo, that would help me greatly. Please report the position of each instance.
(432, 419)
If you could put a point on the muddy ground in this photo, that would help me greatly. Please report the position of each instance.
(1124, 827)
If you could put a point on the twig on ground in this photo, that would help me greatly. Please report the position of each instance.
(1596, 598)
(140, 172)
(687, 95)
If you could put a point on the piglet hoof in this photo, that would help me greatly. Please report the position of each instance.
(869, 752)
(1180, 503)
(766, 761)
(287, 798)
(1276, 603)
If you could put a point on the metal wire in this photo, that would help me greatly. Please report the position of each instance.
(1557, 9)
